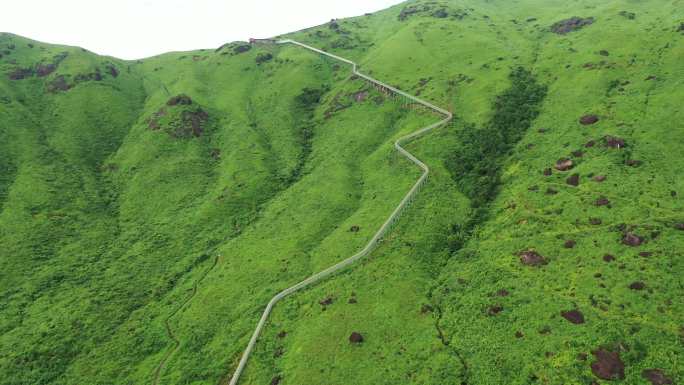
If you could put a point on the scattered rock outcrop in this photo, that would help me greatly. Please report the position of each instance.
(572, 24)
(608, 365)
(356, 338)
(588, 119)
(574, 316)
(656, 376)
(532, 258)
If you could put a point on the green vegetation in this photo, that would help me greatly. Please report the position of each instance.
(122, 181)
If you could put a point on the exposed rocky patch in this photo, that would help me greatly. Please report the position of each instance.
(112, 71)
(638, 285)
(679, 226)
(572, 24)
(276, 380)
(602, 201)
(614, 142)
(494, 310)
(569, 244)
(574, 316)
(573, 180)
(595, 221)
(20, 73)
(588, 119)
(58, 84)
(532, 258)
(599, 178)
(631, 239)
(43, 70)
(563, 164)
(241, 48)
(356, 338)
(608, 365)
(608, 258)
(263, 58)
(656, 376)
(548, 172)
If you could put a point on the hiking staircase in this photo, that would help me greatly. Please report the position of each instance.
(391, 220)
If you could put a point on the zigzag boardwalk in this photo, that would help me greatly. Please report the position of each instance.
(385, 226)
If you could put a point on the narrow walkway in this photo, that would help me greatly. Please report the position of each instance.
(385, 226)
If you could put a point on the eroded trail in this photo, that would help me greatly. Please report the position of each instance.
(386, 226)
(169, 330)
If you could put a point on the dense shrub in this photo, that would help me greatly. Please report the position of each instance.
(475, 164)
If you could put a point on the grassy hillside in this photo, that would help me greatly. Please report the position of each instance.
(546, 247)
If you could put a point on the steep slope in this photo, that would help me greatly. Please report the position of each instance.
(116, 196)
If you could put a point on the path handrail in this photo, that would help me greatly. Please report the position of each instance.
(391, 220)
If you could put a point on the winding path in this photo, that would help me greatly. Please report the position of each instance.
(169, 331)
(385, 226)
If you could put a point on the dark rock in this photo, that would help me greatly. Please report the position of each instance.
(327, 301)
(574, 316)
(551, 191)
(20, 73)
(633, 163)
(573, 180)
(577, 154)
(563, 164)
(58, 84)
(599, 178)
(532, 258)
(242, 48)
(588, 119)
(276, 380)
(440, 14)
(547, 171)
(43, 70)
(590, 144)
(608, 365)
(494, 310)
(608, 258)
(679, 226)
(182, 99)
(645, 254)
(614, 142)
(637, 285)
(569, 244)
(656, 376)
(602, 201)
(112, 71)
(630, 239)
(572, 24)
(356, 338)
(502, 293)
(426, 309)
(263, 58)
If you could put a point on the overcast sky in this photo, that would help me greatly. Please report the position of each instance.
(134, 29)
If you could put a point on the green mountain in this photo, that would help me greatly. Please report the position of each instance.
(150, 209)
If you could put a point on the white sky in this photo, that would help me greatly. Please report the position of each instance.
(134, 29)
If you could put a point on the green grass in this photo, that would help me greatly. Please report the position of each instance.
(106, 224)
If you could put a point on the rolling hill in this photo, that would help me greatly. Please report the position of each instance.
(181, 192)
